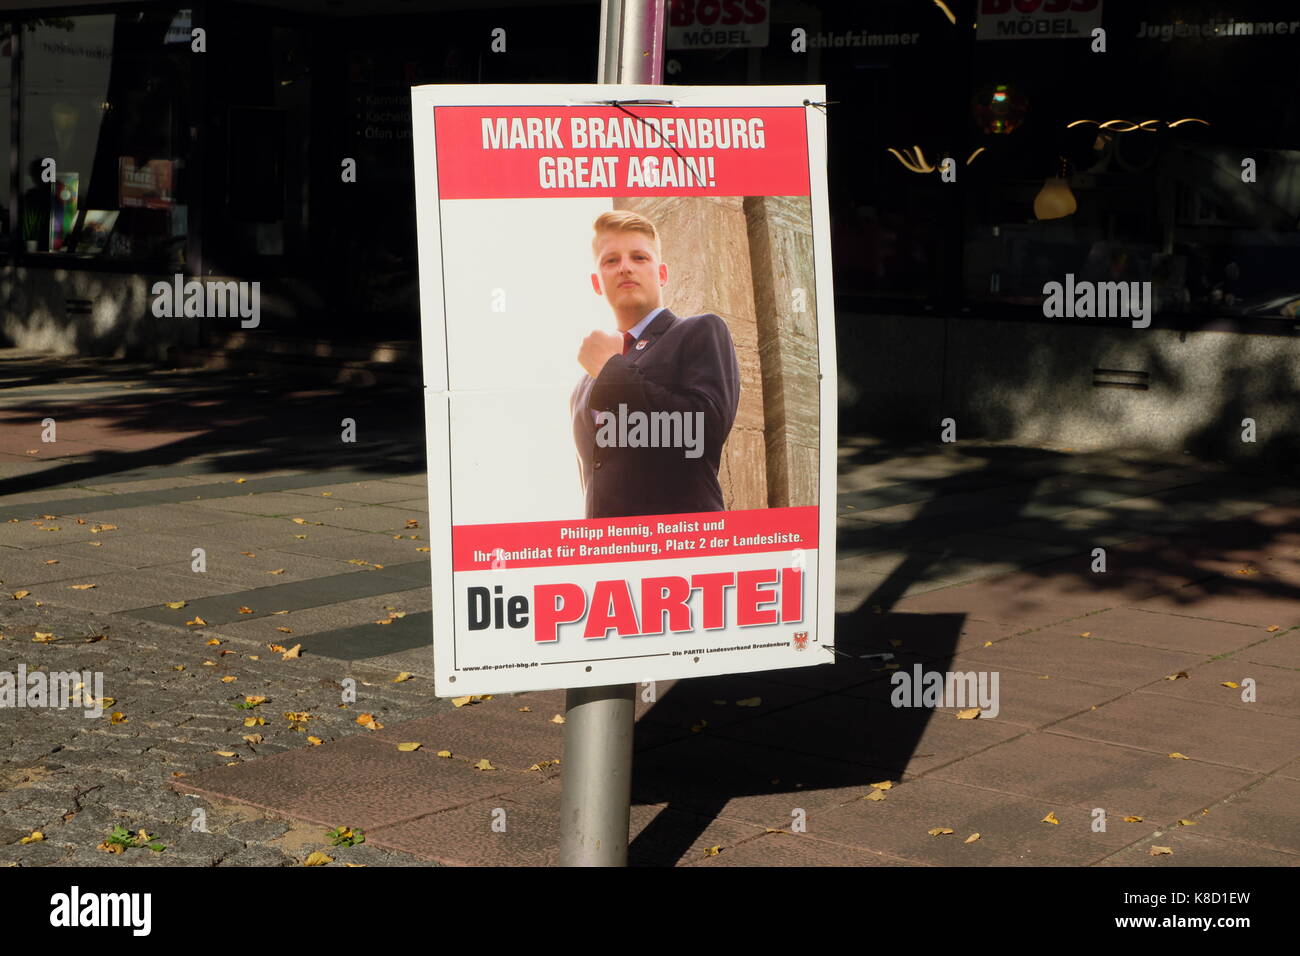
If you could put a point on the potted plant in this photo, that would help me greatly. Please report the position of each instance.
(32, 229)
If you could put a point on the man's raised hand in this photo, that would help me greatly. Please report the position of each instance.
(597, 349)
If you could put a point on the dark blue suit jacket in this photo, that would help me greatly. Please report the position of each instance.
(686, 365)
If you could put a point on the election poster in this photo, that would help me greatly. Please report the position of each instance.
(629, 378)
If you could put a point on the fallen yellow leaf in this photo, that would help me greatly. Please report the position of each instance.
(1187, 823)
(749, 702)
(81, 587)
(712, 851)
(224, 753)
(197, 622)
(229, 679)
(44, 637)
(403, 676)
(1086, 634)
(972, 838)
(285, 630)
(292, 653)
(240, 481)
(484, 764)
(408, 748)
(19, 595)
(421, 549)
(875, 796)
(1134, 819)
(939, 831)
(314, 741)
(253, 738)
(444, 753)
(36, 836)
(557, 719)
(368, 721)
(1177, 756)
(524, 710)
(254, 721)
(1230, 683)
(278, 570)
(212, 642)
(248, 554)
(175, 605)
(51, 561)
(1273, 627)
(884, 785)
(461, 701)
(317, 859)
(1161, 850)
(1050, 818)
(988, 643)
(246, 610)
(968, 714)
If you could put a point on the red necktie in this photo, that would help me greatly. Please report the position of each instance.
(628, 339)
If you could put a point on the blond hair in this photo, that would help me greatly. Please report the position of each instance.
(623, 220)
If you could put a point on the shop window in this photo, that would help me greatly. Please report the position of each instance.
(1131, 165)
(103, 156)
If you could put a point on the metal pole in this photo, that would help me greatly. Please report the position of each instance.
(595, 805)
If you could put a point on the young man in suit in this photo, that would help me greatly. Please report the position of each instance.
(659, 398)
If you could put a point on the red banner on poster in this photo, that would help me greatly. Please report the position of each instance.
(541, 544)
(546, 152)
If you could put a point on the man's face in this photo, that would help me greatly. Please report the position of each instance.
(629, 274)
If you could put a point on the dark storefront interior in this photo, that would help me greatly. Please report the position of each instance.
(229, 163)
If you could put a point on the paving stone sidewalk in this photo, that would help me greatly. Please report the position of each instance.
(978, 558)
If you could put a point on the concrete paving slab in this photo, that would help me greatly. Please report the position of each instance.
(123, 590)
(369, 492)
(220, 609)
(1194, 850)
(226, 564)
(493, 729)
(684, 703)
(278, 504)
(353, 620)
(1277, 689)
(1226, 735)
(1167, 631)
(1087, 773)
(1236, 602)
(374, 547)
(19, 569)
(362, 517)
(1010, 828)
(1264, 815)
(1014, 608)
(354, 782)
(1061, 652)
(1281, 650)
(127, 549)
(745, 781)
(871, 735)
(1024, 699)
(785, 848)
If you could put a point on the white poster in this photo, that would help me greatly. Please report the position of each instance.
(629, 364)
